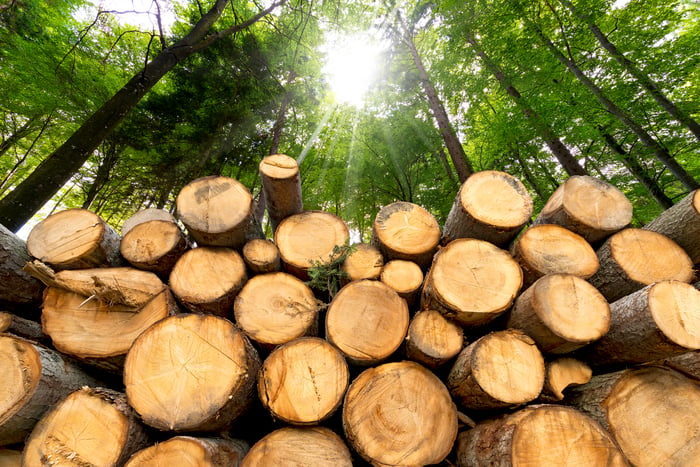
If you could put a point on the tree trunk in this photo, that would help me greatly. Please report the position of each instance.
(207, 279)
(634, 258)
(261, 256)
(561, 374)
(405, 277)
(404, 230)
(363, 262)
(480, 379)
(471, 281)
(538, 435)
(110, 157)
(19, 292)
(681, 223)
(154, 246)
(399, 414)
(28, 197)
(491, 206)
(433, 340)
(552, 249)
(74, 239)
(34, 379)
(276, 308)
(651, 412)
(367, 321)
(211, 452)
(91, 426)
(281, 186)
(191, 372)
(303, 382)
(592, 208)
(312, 447)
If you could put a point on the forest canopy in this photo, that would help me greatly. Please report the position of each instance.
(106, 112)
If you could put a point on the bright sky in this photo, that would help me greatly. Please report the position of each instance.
(145, 11)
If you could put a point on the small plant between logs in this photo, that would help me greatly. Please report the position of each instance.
(503, 337)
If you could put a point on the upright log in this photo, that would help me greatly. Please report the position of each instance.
(399, 414)
(154, 246)
(681, 223)
(404, 230)
(281, 186)
(590, 207)
(432, 339)
(492, 206)
(261, 256)
(19, 291)
(363, 262)
(74, 239)
(191, 372)
(190, 451)
(406, 277)
(653, 413)
(634, 258)
(471, 281)
(300, 446)
(91, 426)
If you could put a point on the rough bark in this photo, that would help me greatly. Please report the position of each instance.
(310, 446)
(19, 291)
(281, 187)
(22, 327)
(681, 223)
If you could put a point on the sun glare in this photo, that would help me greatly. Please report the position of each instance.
(352, 67)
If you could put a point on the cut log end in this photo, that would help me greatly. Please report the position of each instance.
(188, 451)
(432, 339)
(262, 256)
(154, 246)
(563, 373)
(307, 446)
(363, 262)
(406, 277)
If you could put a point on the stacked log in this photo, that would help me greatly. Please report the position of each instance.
(577, 342)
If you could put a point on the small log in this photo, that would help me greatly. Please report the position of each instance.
(309, 239)
(74, 239)
(19, 291)
(501, 369)
(634, 258)
(653, 323)
(367, 321)
(34, 379)
(22, 327)
(561, 313)
(551, 249)
(404, 230)
(191, 372)
(91, 426)
(299, 446)
(592, 208)
(432, 339)
(561, 374)
(471, 281)
(399, 414)
(653, 413)
(492, 206)
(303, 382)
(217, 211)
(188, 451)
(207, 279)
(154, 246)
(276, 308)
(261, 256)
(681, 223)
(406, 277)
(146, 215)
(538, 435)
(363, 262)
(281, 186)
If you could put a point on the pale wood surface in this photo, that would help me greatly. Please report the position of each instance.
(281, 185)
(261, 256)
(406, 277)
(18, 290)
(190, 451)
(562, 373)
(363, 262)
(432, 339)
(146, 215)
(10, 458)
(681, 223)
(154, 245)
(299, 446)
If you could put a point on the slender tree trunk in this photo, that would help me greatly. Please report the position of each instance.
(23, 131)
(102, 175)
(449, 136)
(647, 140)
(527, 173)
(3, 183)
(644, 80)
(568, 162)
(20, 205)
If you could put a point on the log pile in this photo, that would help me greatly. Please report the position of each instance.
(191, 339)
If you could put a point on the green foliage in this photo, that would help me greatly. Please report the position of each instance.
(328, 276)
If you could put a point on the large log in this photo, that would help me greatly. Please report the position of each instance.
(656, 322)
(363, 262)
(404, 230)
(191, 372)
(91, 426)
(261, 256)
(207, 279)
(217, 211)
(34, 379)
(561, 312)
(399, 414)
(432, 339)
(74, 239)
(491, 205)
(406, 277)
(303, 382)
(551, 249)
(545, 435)
(590, 207)
(681, 223)
(281, 187)
(276, 308)
(367, 321)
(19, 291)
(189, 451)
(653, 413)
(634, 258)
(499, 370)
(154, 246)
(471, 281)
(299, 446)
